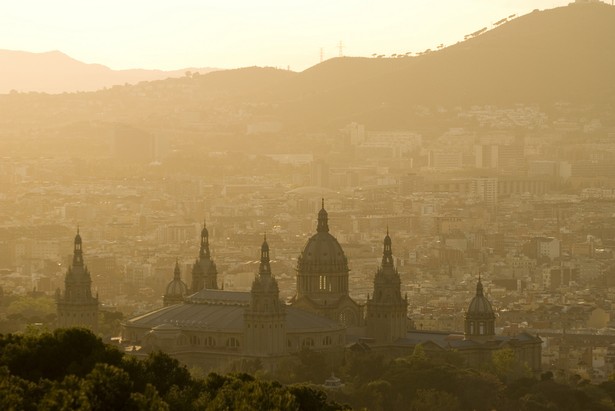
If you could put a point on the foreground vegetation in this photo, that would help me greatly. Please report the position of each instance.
(71, 369)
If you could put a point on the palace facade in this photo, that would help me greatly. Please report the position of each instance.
(211, 328)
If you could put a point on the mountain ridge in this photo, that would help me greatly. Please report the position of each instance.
(56, 72)
(566, 53)
(561, 54)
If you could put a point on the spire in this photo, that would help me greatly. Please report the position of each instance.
(479, 287)
(387, 255)
(77, 250)
(323, 219)
(176, 274)
(265, 267)
(204, 252)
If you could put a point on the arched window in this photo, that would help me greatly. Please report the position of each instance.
(232, 343)
(326, 340)
(210, 342)
(481, 328)
(307, 342)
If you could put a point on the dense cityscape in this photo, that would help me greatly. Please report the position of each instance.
(502, 210)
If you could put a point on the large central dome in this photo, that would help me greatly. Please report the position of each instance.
(480, 306)
(322, 267)
(322, 253)
(322, 277)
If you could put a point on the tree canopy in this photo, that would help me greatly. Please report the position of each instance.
(74, 369)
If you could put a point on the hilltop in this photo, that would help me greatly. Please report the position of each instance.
(562, 54)
(566, 53)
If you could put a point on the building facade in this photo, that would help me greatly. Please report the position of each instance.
(212, 328)
(217, 328)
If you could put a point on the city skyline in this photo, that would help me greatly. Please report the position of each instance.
(235, 34)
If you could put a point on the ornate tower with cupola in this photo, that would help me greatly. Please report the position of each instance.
(265, 317)
(204, 271)
(176, 290)
(480, 318)
(76, 307)
(387, 309)
(322, 277)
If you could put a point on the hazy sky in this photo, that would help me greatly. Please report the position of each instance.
(173, 34)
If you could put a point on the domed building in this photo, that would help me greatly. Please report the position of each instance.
(480, 318)
(322, 277)
(177, 290)
(214, 328)
(479, 341)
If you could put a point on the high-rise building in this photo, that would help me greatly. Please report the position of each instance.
(486, 189)
(319, 173)
(486, 155)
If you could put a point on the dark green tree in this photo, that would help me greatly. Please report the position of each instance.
(65, 395)
(163, 372)
(149, 400)
(434, 400)
(107, 387)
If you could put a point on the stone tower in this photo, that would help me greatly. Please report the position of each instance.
(265, 317)
(386, 310)
(204, 271)
(76, 307)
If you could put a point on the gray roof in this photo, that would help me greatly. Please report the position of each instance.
(226, 316)
(194, 316)
(208, 296)
(455, 340)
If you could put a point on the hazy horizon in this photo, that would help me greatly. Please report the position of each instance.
(167, 36)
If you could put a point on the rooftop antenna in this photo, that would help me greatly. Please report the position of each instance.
(340, 46)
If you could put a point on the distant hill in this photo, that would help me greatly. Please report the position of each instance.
(55, 72)
(562, 54)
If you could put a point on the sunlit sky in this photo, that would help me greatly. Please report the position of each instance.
(174, 34)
